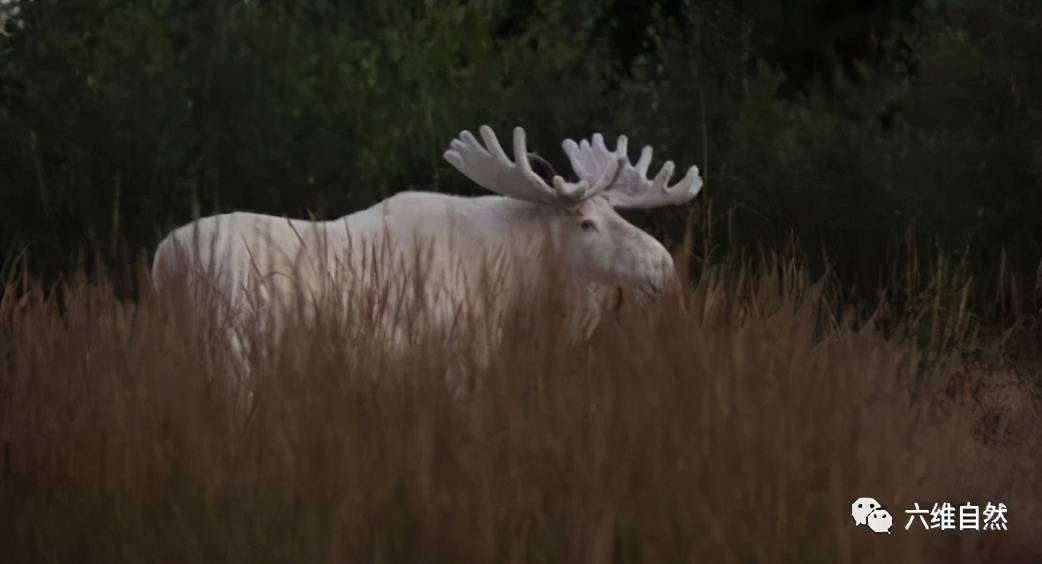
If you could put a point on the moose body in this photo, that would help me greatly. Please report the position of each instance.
(453, 244)
(440, 249)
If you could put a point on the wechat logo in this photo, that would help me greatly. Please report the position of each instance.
(869, 512)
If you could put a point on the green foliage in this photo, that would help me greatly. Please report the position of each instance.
(119, 120)
(938, 135)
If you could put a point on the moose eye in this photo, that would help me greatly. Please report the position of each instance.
(587, 224)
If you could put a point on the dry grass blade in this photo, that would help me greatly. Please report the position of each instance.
(733, 422)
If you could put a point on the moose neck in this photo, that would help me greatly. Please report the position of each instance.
(507, 222)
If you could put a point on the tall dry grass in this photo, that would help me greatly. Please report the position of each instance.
(734, 422)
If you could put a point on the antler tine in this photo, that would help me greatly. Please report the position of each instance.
(520, 150)
(629, 186)
(664, 175)
(594, 164)
(622, 146)
(691, 182)
(492, 143)
(645, 160)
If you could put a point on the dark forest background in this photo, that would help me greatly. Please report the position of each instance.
(882, 137)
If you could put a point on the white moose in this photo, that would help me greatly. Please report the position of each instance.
(454, 236)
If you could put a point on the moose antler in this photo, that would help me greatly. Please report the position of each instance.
(631, 188)
(490, 168)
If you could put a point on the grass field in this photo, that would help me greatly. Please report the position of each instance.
(735, 422)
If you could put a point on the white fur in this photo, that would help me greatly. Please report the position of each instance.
(251, 259)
